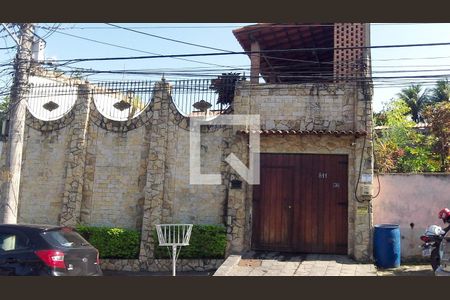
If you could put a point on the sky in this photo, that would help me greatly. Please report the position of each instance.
(62, 44)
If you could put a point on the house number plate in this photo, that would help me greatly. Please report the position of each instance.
(322, 175)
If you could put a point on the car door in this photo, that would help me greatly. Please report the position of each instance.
(16, 253)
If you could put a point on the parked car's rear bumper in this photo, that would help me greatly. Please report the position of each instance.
(98, 272)
(440, 272)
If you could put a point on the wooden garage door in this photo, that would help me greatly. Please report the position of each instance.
(301, 204)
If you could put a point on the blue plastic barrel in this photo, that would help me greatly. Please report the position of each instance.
(386, 246)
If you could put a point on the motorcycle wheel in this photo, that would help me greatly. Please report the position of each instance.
(435, 259)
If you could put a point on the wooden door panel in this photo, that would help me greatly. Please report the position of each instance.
(272, 207)
(330, 187)
(317, 220)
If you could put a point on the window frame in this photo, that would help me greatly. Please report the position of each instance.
(17, 233)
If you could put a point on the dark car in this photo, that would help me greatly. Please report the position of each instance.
(45, 250)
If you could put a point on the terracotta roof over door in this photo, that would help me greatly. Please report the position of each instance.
(357, 133)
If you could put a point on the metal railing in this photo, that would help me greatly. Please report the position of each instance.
(124, 100)
(193, 96)
(50, 101)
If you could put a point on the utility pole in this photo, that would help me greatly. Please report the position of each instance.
(10, 181)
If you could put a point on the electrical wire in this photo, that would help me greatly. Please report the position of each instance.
(235, 26)
(206, 47)
(75, 60)
(299, 75)
(362, 151)
(169, 39)
(132, 49)
(52, 30)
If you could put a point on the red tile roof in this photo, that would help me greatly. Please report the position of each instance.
(306, 132)
(291, 66)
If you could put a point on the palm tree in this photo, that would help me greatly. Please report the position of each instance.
(416, 99)
(441, 92)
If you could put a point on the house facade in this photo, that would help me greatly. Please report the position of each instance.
(315, 134)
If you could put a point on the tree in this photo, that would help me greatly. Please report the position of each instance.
(379, 118)
(438, 116)
(441, 92)
(416, 99)
(4, 106)
(398, 147)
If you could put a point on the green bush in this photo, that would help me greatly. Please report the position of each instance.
(207, 241)
(112, 242)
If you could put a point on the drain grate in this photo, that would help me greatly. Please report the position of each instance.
(249, 263)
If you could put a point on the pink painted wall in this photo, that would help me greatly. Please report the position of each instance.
(407, 199)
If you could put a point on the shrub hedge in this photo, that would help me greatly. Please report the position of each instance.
(207, 241)
(112, 242)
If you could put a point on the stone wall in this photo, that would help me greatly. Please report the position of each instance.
(162, 265)
(43, 176)
(298, 106)
(135, 174)
(198, 204)
(103, 173)
(169, 197)
(115, 186)
(85, 168)
(313, 107)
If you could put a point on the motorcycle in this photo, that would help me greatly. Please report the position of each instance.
(432, 240)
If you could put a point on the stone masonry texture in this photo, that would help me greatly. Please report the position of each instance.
(135, 174)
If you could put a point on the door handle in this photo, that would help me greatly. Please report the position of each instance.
(289, 206)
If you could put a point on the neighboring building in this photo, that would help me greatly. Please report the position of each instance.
(316, 152)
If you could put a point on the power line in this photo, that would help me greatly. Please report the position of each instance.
(132, 49)
(52, 30)
(198, 27)
(190, 89)
(75, 60)
(199, 71)
(411, 58)
(408, 66)
(197, 45)
(235, 26)
(298, 74)
(152, 27)
(169, 39)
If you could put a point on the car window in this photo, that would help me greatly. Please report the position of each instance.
(65, 238)
(12, 241)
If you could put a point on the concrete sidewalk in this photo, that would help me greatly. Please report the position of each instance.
(282, 264)
(279, 264)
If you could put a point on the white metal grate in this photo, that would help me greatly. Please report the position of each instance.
(174, 235)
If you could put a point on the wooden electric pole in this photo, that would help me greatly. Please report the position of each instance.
(9, 195)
